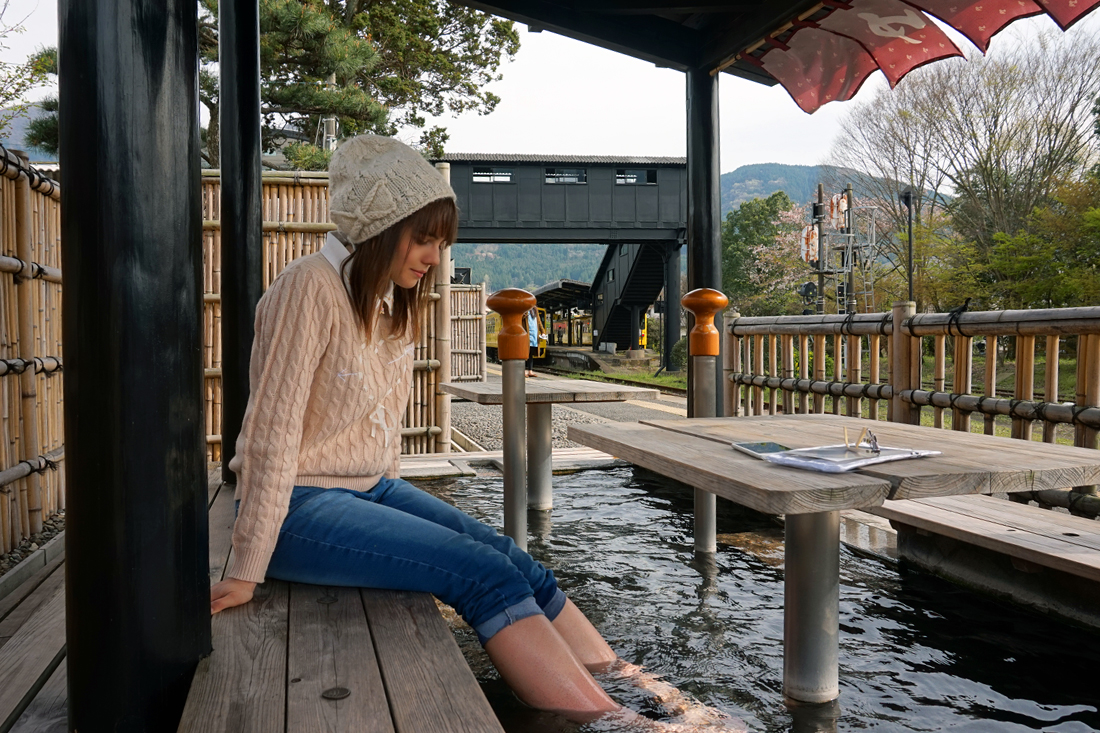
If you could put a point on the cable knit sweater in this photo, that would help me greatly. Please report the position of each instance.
(324, 409)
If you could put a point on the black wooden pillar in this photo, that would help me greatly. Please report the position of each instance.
(704, 197)
(137, 590)
(672, 305)
(241, 212)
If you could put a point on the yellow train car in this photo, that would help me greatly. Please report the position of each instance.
(582, 332)
(492, 328)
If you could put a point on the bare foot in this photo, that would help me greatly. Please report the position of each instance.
(686, 710)
(628, 721)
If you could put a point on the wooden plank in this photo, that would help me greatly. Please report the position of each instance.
(48, 712)
(241, 686)
(554, 391)
(331, 647)
(1035, 548)
(13, 599)
(33, 602)
(430, 687)
(30, 656)
(723, 471)
(1055, 525)
(222, 516)
(970, 464)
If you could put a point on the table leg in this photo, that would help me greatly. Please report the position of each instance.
(706, 532)
(540, 471)
(514, 397)
(811, 606)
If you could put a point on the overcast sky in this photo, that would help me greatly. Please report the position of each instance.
(567, 97)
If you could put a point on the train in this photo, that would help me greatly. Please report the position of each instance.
(492, 328)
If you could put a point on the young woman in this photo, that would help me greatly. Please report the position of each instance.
(317, 459)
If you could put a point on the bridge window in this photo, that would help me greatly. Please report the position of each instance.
(484, 174)
(635, 176)
(566, 175)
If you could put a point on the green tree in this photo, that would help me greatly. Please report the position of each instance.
(760, 257)
(376, 66)
(16, 80)
(42, 132)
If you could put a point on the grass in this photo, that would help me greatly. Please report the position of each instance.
(675, 380)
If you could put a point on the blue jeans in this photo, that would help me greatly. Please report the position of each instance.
(398, 537)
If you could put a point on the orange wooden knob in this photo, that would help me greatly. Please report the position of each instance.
(511, 304)
(704, 303)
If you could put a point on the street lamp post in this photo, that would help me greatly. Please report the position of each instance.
(906, 197)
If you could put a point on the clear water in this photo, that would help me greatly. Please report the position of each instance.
(916, 653)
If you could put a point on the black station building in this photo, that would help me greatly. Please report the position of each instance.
(637, 206)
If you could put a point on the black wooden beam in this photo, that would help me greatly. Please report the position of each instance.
(241, 210)
(643, 7)
(137, 590)
(663, 42)
(726, 37)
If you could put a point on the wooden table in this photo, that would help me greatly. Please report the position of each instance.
(540, 395)
(697, 452)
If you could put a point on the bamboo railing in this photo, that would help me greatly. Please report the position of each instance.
(467, 333)
(861, 365)
(30, 351)
(295, 223)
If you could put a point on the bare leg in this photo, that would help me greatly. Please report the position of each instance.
(538, 665)
(582, 637)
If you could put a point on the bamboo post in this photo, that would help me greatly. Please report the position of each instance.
(964, 376)
(1080, 397)
(443, 338)
(901, 353)
(803, 371)
(787, 342)
(746, 361)
(484, 344)
(773, 370)
(819, 371)
(732, 358)
(1025, 382)
(855, 372)
(838, 368)
(990, 387)
(1050, 388)
(28, 380)
(873, 372)
(1092, 386)
(758, 368)
(938, 374)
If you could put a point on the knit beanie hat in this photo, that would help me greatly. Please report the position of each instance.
(375, 182)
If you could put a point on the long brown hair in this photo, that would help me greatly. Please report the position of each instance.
(368, 268)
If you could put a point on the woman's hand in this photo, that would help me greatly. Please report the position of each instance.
(230, 592)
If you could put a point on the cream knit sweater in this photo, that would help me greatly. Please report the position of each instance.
(324, 409)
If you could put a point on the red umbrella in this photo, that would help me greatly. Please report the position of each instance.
(829, 55)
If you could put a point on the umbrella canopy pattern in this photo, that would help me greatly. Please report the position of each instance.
(828, 55)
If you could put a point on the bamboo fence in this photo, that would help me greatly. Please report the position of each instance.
(790, 364)
(32, 477)
(295, 223)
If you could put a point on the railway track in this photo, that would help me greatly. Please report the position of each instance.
(614, 380)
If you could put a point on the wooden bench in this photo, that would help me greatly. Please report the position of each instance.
(1045, 559)
(309, 658)
(33, 695)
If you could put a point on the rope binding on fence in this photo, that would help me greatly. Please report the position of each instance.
(48, 365)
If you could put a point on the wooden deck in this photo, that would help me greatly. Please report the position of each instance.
(1044, 559)
(309, 658)
(298, 658)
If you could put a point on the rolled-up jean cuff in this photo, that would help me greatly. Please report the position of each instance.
(556, 604)
(489, 628)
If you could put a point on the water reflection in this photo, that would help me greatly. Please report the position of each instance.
(916, 653)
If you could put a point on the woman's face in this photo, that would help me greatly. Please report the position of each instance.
(413, 259)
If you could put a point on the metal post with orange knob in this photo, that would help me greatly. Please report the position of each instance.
(513, 348)
(704, 346)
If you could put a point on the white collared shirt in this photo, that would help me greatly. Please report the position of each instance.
(336, 253)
